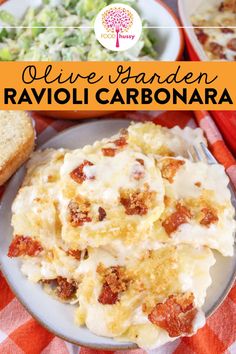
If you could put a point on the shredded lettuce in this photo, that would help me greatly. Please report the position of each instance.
(36, 42)
(7, 18)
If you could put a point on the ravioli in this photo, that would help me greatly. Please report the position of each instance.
(35, 210)
(154, 139)
(44, 167)
(198, 206)
(36, 223)
(147, 281)
(108, 199)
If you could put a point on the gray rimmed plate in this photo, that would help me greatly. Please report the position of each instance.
(55, 316)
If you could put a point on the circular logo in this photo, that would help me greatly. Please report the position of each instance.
(118, 27)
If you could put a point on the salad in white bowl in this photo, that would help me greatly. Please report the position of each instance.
(62, 30)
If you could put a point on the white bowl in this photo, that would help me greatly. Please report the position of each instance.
(157, 13)
(170, 42)
(54, 315)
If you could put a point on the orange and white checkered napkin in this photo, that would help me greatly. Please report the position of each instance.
(216, 143)
(20, 333)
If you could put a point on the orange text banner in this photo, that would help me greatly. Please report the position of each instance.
(118, 85)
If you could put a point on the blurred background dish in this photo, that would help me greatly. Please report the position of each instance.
(225, 120)
(210, 42)
(186, 9)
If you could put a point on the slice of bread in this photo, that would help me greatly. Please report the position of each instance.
(16, 141)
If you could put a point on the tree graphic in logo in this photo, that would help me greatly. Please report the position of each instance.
(117, 20)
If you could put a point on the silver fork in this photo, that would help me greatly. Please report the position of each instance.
(203, 154)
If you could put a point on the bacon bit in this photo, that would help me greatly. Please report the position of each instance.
(175, 315)
(110, 152)
(141, 161)
(181, 216)
(101, 214)
(79, 213)
(74, 253)
(198, 184)
(201, 35)
(210, 217)
(232, 44)
(184, 210)
(78, 174)
(228, 5)
(170, 167)
(107, 297)
(116, 279)
(24, 246)
(217, 50)
(115, 282)
(136, 202)
(66, 289)
(227, 30)
(121, 142)
(221, 7)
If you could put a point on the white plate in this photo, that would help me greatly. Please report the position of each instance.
(170, 38)
(52, 314)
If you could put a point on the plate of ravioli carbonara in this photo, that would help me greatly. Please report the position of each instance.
(115, 239)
